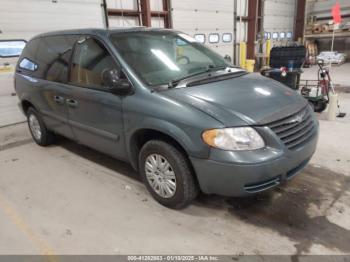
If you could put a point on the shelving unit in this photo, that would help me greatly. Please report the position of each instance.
(329, 35)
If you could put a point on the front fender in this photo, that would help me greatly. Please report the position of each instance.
(188, 137)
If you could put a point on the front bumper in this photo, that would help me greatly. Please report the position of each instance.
(264, 170)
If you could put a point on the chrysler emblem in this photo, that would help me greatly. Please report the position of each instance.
(297, 119)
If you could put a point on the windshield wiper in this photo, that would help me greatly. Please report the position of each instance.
(210, 68)
(173, 83)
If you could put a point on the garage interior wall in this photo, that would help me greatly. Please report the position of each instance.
(22, 19)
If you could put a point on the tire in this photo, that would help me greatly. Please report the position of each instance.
(320, 106)
(186, 189)
(35, 123)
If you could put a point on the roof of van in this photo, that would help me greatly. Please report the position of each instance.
(100, 31)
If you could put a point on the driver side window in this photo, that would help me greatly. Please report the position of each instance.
(91, 59)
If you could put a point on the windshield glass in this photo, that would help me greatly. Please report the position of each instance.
(160, 57)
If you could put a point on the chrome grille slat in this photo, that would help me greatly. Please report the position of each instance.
(299, 142)
(285, 120)
(295, 134)
(297, 128)
(284, 128)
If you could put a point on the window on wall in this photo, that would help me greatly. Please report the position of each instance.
(90, 60)
(214, 38)
(282, 35)
(275, 35)
(289, 35)
(227, 37)
(200, 38)
(153, 13)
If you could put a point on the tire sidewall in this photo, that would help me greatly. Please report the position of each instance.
(179, 170)
(32, 111)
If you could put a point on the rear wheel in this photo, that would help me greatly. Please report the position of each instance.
(41, 135)
(167, 174)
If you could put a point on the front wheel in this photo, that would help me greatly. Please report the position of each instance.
(167, 174)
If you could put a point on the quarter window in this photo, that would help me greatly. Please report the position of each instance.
(214, 38)
(90, 60)
(28, 65)
(274, 35)
(227, 37)
(200, 38)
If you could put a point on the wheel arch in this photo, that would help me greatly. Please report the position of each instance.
(25, 105)
(142, 136)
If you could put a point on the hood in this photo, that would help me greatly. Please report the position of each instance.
(250, 99)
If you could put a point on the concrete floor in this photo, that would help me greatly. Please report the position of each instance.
(67, 199)
(9, 113)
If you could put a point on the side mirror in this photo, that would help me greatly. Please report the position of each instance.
(115, 82)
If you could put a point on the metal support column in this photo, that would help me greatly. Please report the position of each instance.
(252, 27)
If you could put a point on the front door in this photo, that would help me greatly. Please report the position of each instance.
(94, 113)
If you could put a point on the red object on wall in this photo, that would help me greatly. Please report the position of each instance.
(336, 13)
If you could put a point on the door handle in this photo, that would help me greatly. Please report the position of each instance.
(71, 102)
(58, 99)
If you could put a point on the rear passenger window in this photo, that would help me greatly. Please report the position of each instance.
(54, 55)
(89, 62)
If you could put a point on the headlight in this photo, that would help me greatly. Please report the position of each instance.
(239, 138)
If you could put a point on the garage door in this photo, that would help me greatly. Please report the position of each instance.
(210, 21)
(25, 18)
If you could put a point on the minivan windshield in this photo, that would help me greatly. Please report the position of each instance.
(160, 57)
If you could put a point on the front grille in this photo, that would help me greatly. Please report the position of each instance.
(295, 130)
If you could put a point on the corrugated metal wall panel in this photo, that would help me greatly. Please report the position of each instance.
(26, 18)
(126, 21)
(156, 5)
(122, 4)
(157, 22)
(242, 7)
